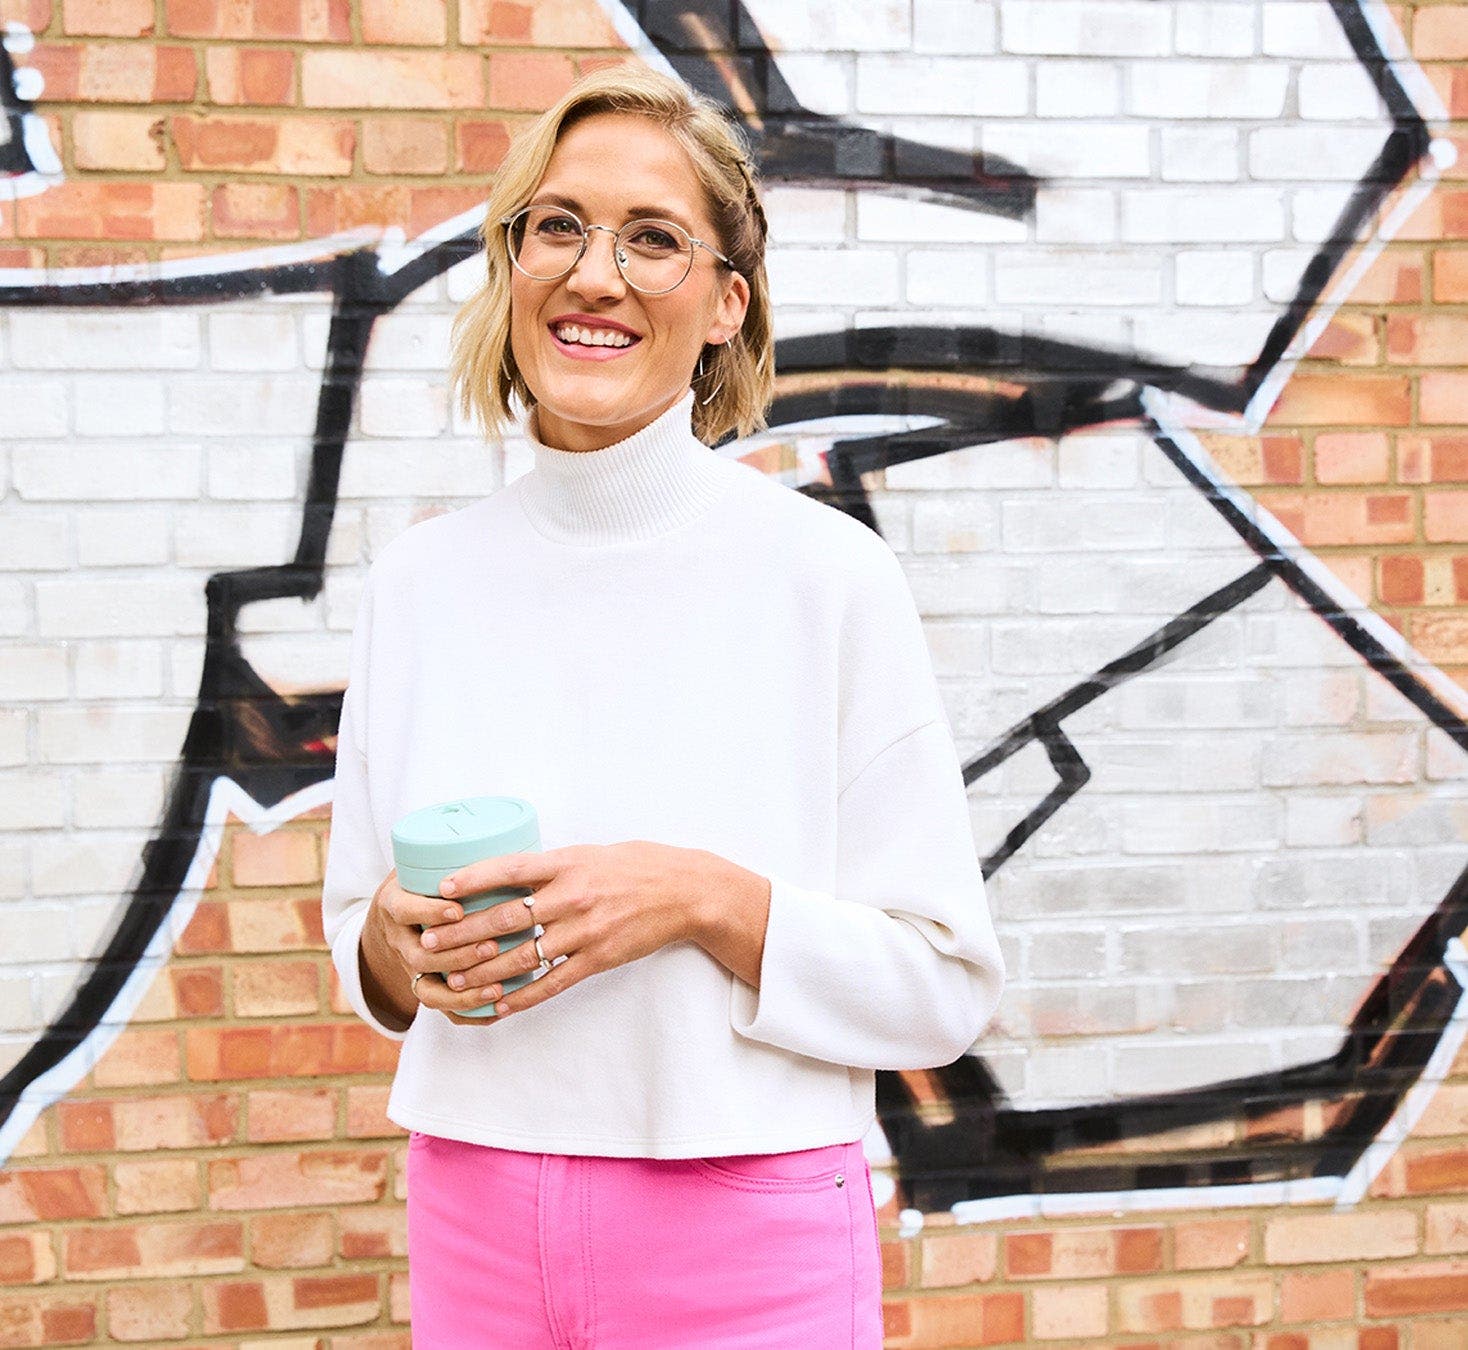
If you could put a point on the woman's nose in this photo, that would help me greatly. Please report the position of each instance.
(596, 271)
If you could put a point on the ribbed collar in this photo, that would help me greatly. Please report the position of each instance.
(658, 478)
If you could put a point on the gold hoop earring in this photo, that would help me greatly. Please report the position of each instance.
(703, 403)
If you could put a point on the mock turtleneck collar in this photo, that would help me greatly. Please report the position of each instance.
(657, 479)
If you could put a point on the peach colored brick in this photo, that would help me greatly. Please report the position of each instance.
(150, 1312)
(1354, 571)
(958, 1258)
(1313, 1238)
(1068, 1312)
(176, 1121)
(1440, 33)
(282, 857)
(175, 1249)
(528, 81)
(369, 79)
(1211, 1244)
(278, 1114)
(1402, 581)
(406, 22)
(1394, 278)
(1450, 275)
(127, 73)
(115, 211)
(117, 140)
(481, 146)
(34, 14)
(1428, 1287)
(370, 1232)
(1445, 517)
(156, 1185)
(236, 1306)
(26, 1258)
(1442, 638)
(430, 206)
(52, 1319)
(1283, 459)
(1195, 1303)
(1315, 399)
(276, 988)
(1447, 1112)
(397, 1297)
(405, 145)
(301, 20)
(348, 207)
(1428, 339)
(280, 1179)
(1352, 457)
(289, 1302)
(106, 18)
(255, 76)
(546, 23)
(285, 1241)
(310, 146)
(1317, 1296)
(139, 1055)
(1443, 396)
(367, 1113)
(255, 211)
(86, 1126)
(271, 925)
(1446, 1229)
(1350, 338)
(1357, 518)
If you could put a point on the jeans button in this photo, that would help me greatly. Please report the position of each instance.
(840, 1179)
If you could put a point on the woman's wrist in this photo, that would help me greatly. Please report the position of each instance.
(387, 993)
(729, 917)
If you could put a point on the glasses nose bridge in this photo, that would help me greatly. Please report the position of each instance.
(586, 246)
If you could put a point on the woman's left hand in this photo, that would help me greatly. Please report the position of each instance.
(599, 906)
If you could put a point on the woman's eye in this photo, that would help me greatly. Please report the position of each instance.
(562, 225)
(651, 238)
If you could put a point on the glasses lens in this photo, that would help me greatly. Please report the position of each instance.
(544, 241)
(655, 255)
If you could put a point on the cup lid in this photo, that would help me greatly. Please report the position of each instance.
(451, 834)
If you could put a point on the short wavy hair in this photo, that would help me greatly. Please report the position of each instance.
(740, 373)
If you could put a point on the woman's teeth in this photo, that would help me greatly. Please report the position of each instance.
(593, 337)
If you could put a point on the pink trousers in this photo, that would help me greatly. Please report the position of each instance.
(544, 1251)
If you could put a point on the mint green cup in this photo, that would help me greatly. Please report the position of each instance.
(430, 843)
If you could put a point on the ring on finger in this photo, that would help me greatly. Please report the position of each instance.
(540, 952)
(413, 987)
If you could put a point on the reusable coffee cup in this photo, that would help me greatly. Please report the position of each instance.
(429, 843)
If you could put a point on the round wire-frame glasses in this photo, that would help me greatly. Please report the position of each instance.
(650, 249)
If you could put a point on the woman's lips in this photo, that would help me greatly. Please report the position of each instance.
(578, 352)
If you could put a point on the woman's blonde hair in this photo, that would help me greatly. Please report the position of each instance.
(740, 373)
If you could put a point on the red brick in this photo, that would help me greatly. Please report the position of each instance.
(1323, 1296)
(432, 206)
(1428, 339)
(139, 1055)
(298, 20)
(174, 1249)
(1283, 459)
(116, 72)
(528, 81)
(546, 23)
(255, 211)
(278, 1179)
(1318, 399)
(101, 1253)
(106, 18)
(276, 988)
(481, 146)
(26, 1258)
(1442, 638)
(34, 14)
(282, 857)
(1350, 338)
(198, 991)
(369, 1232)
(114, 211)
(406, 22)
(1401, 580)
(237, 1306)
(405, 145)
(86, 1126)
(283, 1241)
(156, 1185)
(176, 1121)
(367, 1113)
(373, 79)
(332, 1291)
(1357, 518)
(1394, 278)
(253, 76)
(1398, 1291)
(207, 930)
(1450, 275)
(1211, 1244)
(966, 1319)
(278, 1115)
(1195, 1303)
(349, 207)
(51, 1319)
(150, 1312)
(958, 1258)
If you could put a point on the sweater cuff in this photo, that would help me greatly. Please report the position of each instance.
(346, 956)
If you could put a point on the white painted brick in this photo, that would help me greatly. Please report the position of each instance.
(829, 25)
(410, 342)
(1200, 154)
(814, 276)
(1322, 822)
(1173, 698)
(1282, 270)
(36, 933)
(1075, 216)
(13, 734)
(254, 471)
(957, 648)
(316, 332)
(1321, 944)
(820, 81)
(84, 864)
(162, 338)
(1386, 703)
(1081, 28)
(1215, 825)
(116, 797)
(184, 664)
(34, 541)
(1184, 1062)
(1110, 889)
(285, 614)
(1207, 89)
(1071, 149)
(417, 469)
(947, 276)
(1029, 647)
(289, 662)
(1199, 949)
(1029, 462)
(263, 339)
(880, 216)
(806, 215)
(1202, 216)
(1092, 330)
(402, 407)
(1339, 93)
(125, 537)
(1065, 1075)
(33, 407)
(120, 607)
(1295, 28)
(1099, 461)
(16, 609)
(1052, 955)
(270, 405)
(957, 522)
(105, 734)
(1077, 89)
(1444, 759)
(958, 86)
(342, 594)
(1214, 277)
(32, 672)
(1332, 699)
(1314, 212)
(17, 1010)
(234, 536)
(120, 472)
(120, 405)
(1211, 339)
(463, 278)
(1215, 29)
(1339, 881)
(129, 668)
(1340, 154)
(1058, 277)
(348, 541)
(32, 801)
(1055, 526)
(953, 27)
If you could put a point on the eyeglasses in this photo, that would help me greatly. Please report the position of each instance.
(653, 256)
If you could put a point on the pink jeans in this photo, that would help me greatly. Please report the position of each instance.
(545, 1251)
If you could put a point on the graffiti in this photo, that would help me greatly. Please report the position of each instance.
(27, 160)
(1179, 731)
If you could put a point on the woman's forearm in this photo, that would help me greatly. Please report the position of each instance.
(732, 917)
(386, 986)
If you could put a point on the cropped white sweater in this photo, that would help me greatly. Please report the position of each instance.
(652, 641)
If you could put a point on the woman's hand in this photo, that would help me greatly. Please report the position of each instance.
(599, 906)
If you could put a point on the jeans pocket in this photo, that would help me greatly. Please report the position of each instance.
(806, 1169)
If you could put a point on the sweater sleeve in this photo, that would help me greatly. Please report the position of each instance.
(355, 863)
(899, 968)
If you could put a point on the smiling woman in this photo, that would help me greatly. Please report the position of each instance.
(666, 1123)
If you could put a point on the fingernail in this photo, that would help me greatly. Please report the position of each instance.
(430, 939)
(457, 981)
(447, 886)
(451, 914)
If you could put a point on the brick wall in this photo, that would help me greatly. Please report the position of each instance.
(1225, 1102)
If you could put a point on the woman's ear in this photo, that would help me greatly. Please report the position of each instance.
(730, 311)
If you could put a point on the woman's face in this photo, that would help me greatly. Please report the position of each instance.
(611, 168)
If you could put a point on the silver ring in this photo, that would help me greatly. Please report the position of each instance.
(529, 900)
(413, 987)
(539, 951)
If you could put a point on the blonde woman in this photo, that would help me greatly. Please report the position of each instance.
(759, 883)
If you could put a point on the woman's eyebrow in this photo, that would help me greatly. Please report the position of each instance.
(633, 212)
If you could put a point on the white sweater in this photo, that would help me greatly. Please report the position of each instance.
(652, 641)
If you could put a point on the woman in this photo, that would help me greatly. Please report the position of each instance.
(759, 883)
